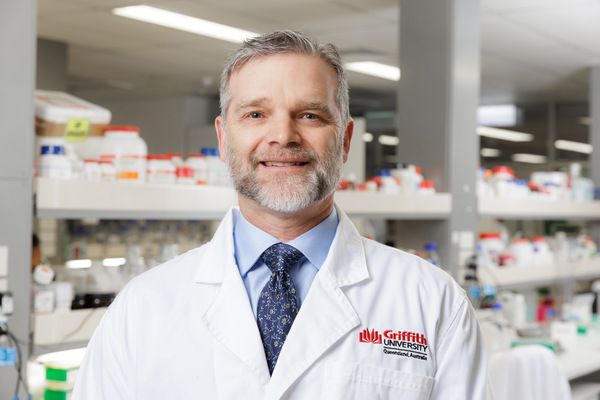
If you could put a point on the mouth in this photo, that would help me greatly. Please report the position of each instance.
(283, 163)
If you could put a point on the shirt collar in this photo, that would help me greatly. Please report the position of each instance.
(250, 241)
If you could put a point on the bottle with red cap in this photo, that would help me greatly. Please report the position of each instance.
(124, 146)
(503, 180)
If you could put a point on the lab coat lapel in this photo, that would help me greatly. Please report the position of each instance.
(326, 314)
(229, 318)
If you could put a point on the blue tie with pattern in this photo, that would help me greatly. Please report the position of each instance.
(277, 305)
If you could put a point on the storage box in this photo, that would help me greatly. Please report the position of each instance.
(63, 119)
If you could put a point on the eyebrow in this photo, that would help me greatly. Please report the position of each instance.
(251, 103)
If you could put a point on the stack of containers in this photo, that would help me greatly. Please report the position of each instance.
(59, 382)
(65, 120)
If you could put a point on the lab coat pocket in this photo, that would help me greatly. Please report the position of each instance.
(353, 381)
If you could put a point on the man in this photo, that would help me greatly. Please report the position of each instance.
(287, 301)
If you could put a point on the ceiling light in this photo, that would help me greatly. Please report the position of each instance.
(182, 22)
(388, 140)
(486, 152)
(367, 137)
(578, 147)
(375, 69)
(504, 134)
(113, 262)
(529, 158)
(498, 115)
(78, 264)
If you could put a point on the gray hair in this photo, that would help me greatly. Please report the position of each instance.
(281, 42)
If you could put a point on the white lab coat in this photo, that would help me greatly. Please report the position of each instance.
(185, 330)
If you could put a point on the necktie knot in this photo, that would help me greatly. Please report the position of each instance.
(281, 257)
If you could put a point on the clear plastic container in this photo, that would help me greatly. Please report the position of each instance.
(198, 163)
(128, 150)
(53, 163)
(492, 247)
(523, 252)
(160, 169)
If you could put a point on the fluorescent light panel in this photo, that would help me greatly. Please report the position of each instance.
(578, 147)
(487, 152)
(497, 115)
(113, 262)
(375, 69)
(182, 22)
(529, 158)
(78, 264)
(367, 137)
(504, 134)
(387, 140)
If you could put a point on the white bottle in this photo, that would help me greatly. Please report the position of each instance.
(198, 163)
(91, 170)
(217, 170)
(53, 163)
(160, 169)
(123, 145)
(108, 173)
(185, 176)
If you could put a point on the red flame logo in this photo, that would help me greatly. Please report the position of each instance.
(369, 337)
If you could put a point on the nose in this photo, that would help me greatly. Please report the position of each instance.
(283, 131)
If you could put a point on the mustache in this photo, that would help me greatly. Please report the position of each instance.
(287, 152)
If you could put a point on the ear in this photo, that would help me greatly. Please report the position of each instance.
(220, 127)
(347, 137)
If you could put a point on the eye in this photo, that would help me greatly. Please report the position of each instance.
(310, 116)
(255, 115)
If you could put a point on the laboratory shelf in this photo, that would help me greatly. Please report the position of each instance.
(118, 200)
(538, 209)
(514, 277)
(65, 328)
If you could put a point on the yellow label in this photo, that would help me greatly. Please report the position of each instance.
(77, 129)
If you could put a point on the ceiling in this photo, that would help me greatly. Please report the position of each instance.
(532, 50)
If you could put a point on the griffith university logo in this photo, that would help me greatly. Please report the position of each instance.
(369, 337)
(399, 343)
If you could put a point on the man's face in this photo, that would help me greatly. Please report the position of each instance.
(284, 144)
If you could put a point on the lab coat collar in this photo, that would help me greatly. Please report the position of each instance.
(347, 250)
(324, 318)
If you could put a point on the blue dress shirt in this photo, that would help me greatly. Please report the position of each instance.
(250, 242)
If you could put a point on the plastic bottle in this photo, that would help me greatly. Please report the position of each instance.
(217, 170)
(91, 170)
(427, 187)
(431, 254)
(128, 150)
(522, 251)
(185, 176)
(176, 159)
(503, 181)
(388, 182)
(53, 163)
(160, 169)
(492, 247)
(198, 163)
(108, 173)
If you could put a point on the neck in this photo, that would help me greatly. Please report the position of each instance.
(285, 226)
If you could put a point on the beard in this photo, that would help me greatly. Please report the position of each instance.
(287, 192)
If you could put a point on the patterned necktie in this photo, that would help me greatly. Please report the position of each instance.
(277, 305)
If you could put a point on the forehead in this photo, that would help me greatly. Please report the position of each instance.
(284, 74)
